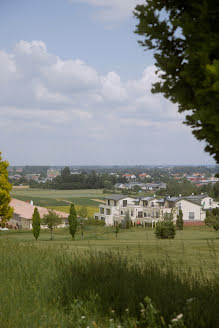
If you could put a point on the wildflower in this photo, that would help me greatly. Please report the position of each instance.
(174, 320)
(179, 316)
(111, 319)
(142, 310)
(113, 311)
(83, 317)
(126, 310)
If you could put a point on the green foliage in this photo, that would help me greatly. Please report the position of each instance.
(36, 223)
(116, 230)
(6, 210)
(83, 212)
(184, 36)
(212, 218)
(179, 220)
(165, 230)
(92, 221)
(72, 221)
(128, 220)
(51, 221)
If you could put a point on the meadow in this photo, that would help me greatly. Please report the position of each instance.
(60, 199)
(100, 281)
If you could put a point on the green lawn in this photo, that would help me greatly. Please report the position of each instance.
(197, 246)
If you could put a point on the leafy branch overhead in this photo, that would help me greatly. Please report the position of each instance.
(184, 36)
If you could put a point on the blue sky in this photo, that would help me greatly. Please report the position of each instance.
(75, 89)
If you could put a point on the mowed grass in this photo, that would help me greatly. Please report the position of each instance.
(59, 199)
(196, 246)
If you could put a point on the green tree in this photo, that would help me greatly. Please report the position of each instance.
(184, 36)
(51, 221)
(212, 218)
(179, 220)
(6, 210)
(73, 221)
(36, 223)
(116, 230)
(83, 212)
(127, 220)
(165, 230)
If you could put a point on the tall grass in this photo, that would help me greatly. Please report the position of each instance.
(53, 287)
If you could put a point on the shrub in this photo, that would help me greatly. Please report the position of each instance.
(91, 221)
(179, 220)
(165, 230)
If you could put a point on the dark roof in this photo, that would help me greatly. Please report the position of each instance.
(195, 198)
(115, 197)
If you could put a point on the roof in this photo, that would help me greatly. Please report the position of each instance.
(25, 210)
(196, 198)
(115, 197)
(147, 198)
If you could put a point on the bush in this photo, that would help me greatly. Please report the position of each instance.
(92, 221)
(165, 230)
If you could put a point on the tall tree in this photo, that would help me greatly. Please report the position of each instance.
(36, 223)
(72, 220)
(51, 221)
(6, 210)
(83, 213)
(179, 220)
(184, 35)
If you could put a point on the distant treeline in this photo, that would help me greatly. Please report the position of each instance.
(68, 181)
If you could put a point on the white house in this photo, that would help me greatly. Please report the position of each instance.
(146, 210)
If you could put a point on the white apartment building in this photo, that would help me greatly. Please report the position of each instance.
(146, 210)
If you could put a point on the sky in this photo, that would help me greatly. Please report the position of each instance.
(75, 89)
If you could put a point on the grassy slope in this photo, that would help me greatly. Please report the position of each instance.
(192, 245)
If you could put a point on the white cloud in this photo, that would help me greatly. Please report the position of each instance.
(112, 9)
(46, 100)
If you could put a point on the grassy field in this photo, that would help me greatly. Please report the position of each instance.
(100, 281)
(197, 246)
(59, 199)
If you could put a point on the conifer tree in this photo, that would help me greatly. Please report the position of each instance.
(179, 220)
(6, 210)
(36, 223)
(72, 220)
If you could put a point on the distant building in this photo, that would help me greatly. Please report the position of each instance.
(129, 176)
(144, 176)
(51, 174)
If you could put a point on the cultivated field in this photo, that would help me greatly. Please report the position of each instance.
(60, 199)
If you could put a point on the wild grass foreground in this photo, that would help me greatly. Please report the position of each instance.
(55, 287)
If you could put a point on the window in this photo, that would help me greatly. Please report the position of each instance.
(157, 214)
(140, 215)
(108, 212)
(132, 213)
(101, 210)
(191, 215)
(145, 215)
(108, 202)
(121, 212)
(102, 218)
(124, 203)
(114, 202)
(152, 204)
